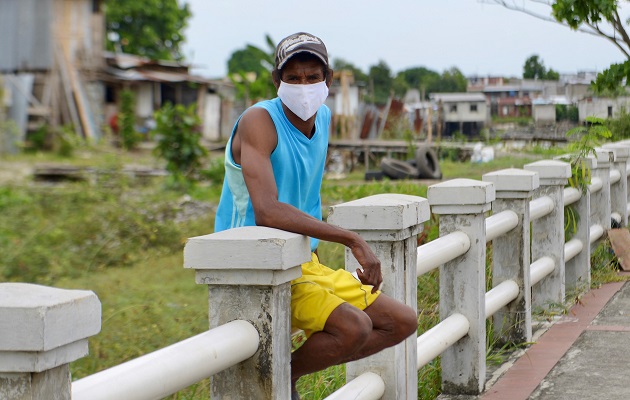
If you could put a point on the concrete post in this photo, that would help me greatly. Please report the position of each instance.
(578, 269)
(248, 272)
(548, 231)
(619, 191)
(511, 253)
(461, 205)
(42, 330)
(390, 224)
(600, 201)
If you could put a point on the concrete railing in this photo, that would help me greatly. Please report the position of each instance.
(248, 273)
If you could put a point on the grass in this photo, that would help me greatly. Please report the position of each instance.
(122, 241)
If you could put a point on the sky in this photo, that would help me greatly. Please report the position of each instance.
(479, 39)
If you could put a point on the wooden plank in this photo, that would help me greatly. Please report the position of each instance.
(620, 241)
(79, 96)
(65, 83)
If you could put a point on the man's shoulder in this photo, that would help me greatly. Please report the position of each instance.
(269, 105)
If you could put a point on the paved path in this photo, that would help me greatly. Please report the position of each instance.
(583, 356)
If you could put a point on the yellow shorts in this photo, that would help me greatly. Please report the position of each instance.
(320, 290)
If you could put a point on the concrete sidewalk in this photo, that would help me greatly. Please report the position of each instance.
(584, 355)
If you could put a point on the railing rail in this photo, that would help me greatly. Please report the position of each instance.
(168, 370)
(441, 250)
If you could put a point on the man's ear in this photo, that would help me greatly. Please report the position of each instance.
(276, 77)
(329, 77)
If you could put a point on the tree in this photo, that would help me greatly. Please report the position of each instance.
(428, 81)
(341, 64)
(381, 82)
(451, 80)
(250, 71)
(149, 28)
(596, 17)
(420, 78)
(534, 68)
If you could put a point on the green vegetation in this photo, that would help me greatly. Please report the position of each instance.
(178, 138)
(123, 239)
(129, 136)
(534, 68)
(149, 28)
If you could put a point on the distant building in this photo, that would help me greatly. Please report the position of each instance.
(156, 82)
(602, 107)
(55, 72)
(463, 112)
(51, 53)
(513, 97)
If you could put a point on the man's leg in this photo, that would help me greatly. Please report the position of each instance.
(392, 322)
(350, 334)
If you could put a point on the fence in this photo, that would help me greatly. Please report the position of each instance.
(248, 272)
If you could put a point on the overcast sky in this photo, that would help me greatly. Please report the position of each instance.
(477, 38)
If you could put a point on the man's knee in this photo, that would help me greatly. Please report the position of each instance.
(350, 326)
(407, 322)
(396, 320)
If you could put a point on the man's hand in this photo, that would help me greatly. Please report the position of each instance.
(371, 274)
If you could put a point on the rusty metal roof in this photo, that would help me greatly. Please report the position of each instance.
(129, 67)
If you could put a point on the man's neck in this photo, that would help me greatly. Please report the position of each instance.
(306, 127)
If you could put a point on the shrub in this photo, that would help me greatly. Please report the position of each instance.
(128, 134)
(179, 141)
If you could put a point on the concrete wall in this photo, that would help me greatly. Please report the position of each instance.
(602, 107)
(464, 111)
(544, 112)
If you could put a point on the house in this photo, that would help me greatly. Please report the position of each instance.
(51, 56)
(156, 82)
(466, 113)
(515, 97)
(602, 107)
(54, 72)
(543, 112)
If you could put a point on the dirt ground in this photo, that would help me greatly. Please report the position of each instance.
(14, 172)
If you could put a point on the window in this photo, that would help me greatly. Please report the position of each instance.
(610, 114)
(453, 108)
(473, 108)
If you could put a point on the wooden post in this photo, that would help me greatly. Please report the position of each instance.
(461, 205)
(248, 272)
(390, 224)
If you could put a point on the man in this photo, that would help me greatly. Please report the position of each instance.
(274, 164)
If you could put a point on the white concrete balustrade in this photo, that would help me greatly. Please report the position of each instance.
(246, 352)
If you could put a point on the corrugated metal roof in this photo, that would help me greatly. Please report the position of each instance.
(126, 61)
(25, 35)
(152, 76)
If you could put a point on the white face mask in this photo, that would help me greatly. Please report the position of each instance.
(303, 100)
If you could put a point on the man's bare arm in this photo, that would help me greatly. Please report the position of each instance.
(258, 139)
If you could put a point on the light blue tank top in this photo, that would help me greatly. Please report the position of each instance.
(298, 167)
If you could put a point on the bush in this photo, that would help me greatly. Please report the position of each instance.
(620, 126)
(52, 232)
(178, 138)
(128, 134)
